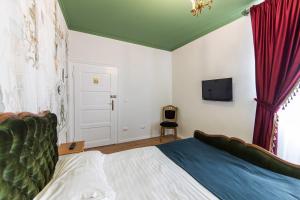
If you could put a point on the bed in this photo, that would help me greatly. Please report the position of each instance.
(202, 167)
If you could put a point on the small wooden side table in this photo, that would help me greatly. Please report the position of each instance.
(63, 149)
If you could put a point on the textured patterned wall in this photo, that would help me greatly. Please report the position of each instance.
(33, 52)
(1, 103)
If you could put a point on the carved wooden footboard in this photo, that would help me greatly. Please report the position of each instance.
(251, 153)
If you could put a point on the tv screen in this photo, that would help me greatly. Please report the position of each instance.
(217, 90)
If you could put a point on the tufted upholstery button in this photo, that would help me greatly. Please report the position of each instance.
(28, 155)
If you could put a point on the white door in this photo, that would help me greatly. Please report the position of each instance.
(95, 89)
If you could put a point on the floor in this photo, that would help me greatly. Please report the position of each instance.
(132, 145)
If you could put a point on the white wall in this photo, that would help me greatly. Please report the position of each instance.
(1, 103)
(145, 80)
(226, 52)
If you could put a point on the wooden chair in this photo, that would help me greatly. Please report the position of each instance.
(169, 120)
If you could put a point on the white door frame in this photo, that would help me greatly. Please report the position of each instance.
(114, 91)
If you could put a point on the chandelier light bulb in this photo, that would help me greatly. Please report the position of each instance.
(194, 4)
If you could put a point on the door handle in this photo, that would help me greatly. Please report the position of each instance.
(112, 105)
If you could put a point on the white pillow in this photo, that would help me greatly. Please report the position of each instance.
(78, 177)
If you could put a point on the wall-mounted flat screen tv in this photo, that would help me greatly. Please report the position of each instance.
(217, 89)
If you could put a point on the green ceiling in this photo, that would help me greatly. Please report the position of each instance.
(162, 24)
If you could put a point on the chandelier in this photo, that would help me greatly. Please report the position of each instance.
(199, 5)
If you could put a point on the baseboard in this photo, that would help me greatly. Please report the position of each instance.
(135, 139)
(148, 137)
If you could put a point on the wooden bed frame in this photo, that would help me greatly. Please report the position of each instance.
(21, 115)
(251, 153)
(28, 153)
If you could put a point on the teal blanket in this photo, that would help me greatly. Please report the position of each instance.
(228, 177)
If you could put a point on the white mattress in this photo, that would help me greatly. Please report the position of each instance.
(138, 174)
(147, 174)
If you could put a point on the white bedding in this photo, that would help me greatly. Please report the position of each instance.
(78, 177)
(147, 174)
(138, 174)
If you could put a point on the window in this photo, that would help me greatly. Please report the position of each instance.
(289, 131)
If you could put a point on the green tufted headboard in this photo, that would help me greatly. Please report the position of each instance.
(28, 154)
(251, 153)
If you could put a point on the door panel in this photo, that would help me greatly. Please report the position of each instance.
(94, 138)
(95, 119)
(95, 116)
(95, 100)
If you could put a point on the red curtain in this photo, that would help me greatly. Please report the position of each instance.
(276, 33)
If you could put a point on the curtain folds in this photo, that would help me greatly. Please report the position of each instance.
(276, 33)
